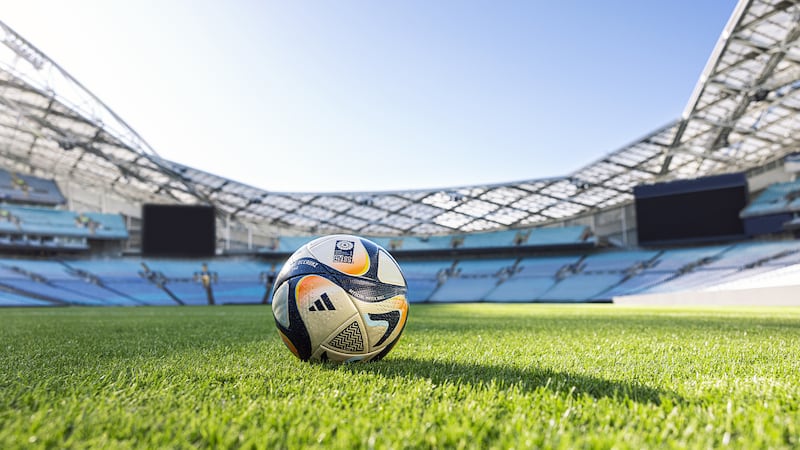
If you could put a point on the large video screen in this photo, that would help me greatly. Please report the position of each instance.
(702, 209)
(178, 230)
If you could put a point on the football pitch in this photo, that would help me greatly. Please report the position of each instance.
(462, 376)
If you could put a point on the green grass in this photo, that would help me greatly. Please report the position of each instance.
(462, 376)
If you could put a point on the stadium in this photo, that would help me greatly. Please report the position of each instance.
(648, 299)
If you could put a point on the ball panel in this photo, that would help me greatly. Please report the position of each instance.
(290, 323)
(289, 344)
(388, 270)
(384, 321)
(349, 340)
(280, 301)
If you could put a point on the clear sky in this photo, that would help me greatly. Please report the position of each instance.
(381, 95)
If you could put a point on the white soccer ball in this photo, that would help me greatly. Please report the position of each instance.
(340, 298)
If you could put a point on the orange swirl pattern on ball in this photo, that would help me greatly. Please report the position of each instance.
(307, 286)
(402, 305)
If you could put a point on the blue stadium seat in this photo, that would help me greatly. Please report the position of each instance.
(189, 292)
(420, 289)
(741, 255)
(581, 287)
(11, 299)
(478, 267)
(521, 289)
(671, 260)
(51, 291)
(494, 239)
(142, 291)
(691, 280)
(636, 284)
(178, 270)
(775, 199)
(238, 292)
(617, 261)
(545, 265)
(109, 226)
(45, 221)
(241, 281)
(28, 189)
(464, 289)
(424, 269)
(105, 296)
(559, 236)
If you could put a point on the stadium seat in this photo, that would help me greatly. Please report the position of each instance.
(521, 289)
(581, 287)
(464, 289)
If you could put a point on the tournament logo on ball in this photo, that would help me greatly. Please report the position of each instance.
(343, 252)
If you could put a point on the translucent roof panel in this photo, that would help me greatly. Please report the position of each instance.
(743, 113)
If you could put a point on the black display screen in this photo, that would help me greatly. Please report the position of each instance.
(178, 230)
(702, 209)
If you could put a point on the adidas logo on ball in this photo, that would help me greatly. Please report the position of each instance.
(323, 304)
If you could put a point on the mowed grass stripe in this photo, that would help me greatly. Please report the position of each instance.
(462, 376)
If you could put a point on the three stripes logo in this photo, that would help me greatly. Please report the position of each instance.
(323, 303)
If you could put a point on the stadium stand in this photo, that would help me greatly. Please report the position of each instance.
(634, 285)
(103, 226)
(521, 289)
(41, 221)
(617, 261)
(751, 254)
(424, 277)
(46, 280)
(776, 198)
(242, 281)
(459, 289)
(508, 238)
(784, 276)
(773, 210)
(34, 220)
(39, 227)
(581, 287)
(29, 218)
(123, 277)
(425, 243)
(30, 190)
(595, 275)
(569, 236)
(683, 259)
(722, 265)
(472, 280)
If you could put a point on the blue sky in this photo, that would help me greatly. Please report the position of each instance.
(327, 96)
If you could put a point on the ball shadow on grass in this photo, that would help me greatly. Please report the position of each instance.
(526, 379)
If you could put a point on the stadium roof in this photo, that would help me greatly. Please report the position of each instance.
(742, 114)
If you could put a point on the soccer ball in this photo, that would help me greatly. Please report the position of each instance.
(340, 298)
